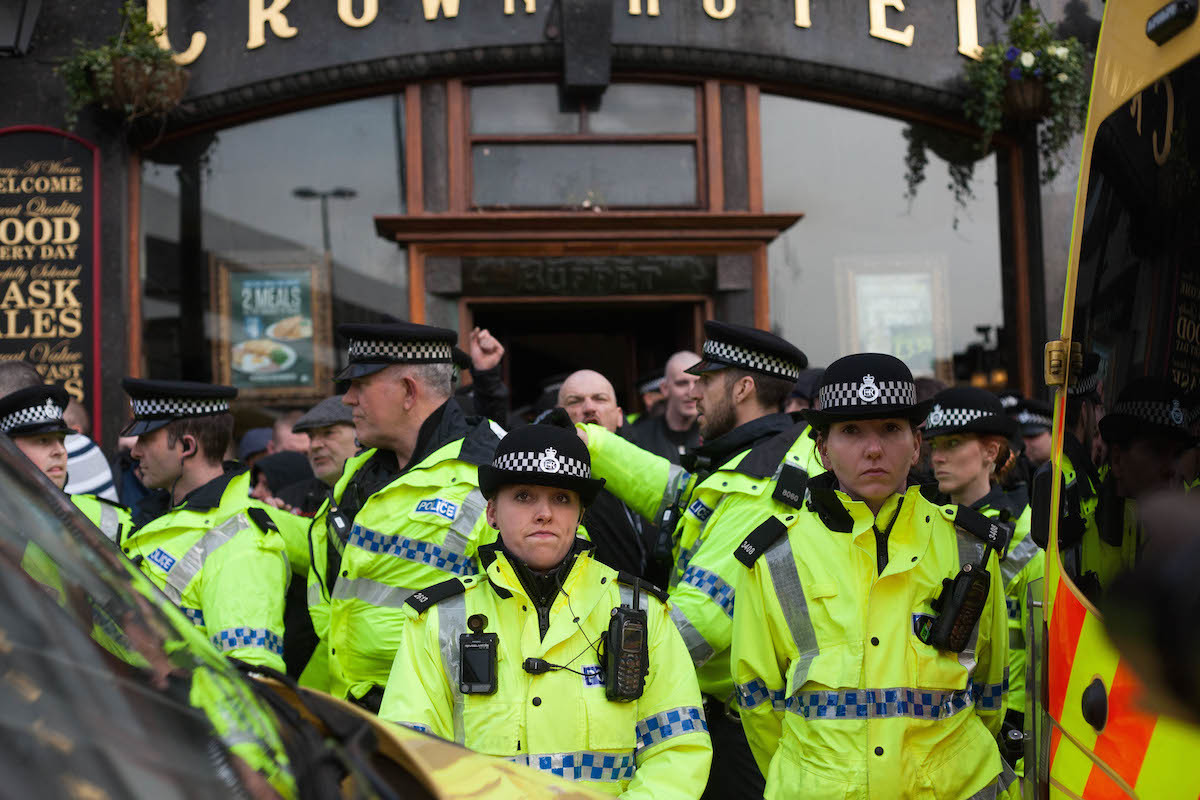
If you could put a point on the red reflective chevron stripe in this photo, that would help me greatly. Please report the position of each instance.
(1063, 639)
(1123, 742)
(1102, 787)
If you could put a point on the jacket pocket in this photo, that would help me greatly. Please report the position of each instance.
(491, 725)
(610, 725)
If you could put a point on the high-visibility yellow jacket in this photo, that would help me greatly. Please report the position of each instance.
(1024, 562)
(559, 721)
(760, 473)
(219, 556)
(839, 697)
(423, 525)
(113, 520)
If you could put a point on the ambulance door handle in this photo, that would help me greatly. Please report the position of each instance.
(1095, 705)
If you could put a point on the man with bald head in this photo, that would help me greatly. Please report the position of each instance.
(619, 535)
(676, 430)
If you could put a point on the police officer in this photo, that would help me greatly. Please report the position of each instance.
(33, 418)
(852, 678)
(969, 435)
(406, 513)
(744, 470)
(213, 551)
(1082, 479)
(550, 658)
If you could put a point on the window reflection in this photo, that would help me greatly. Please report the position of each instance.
(233, 197)
(865, 270)
(1131, 418)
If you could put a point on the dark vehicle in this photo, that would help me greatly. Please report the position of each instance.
(108, 691)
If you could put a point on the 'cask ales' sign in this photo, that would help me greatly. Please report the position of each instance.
(49, 258)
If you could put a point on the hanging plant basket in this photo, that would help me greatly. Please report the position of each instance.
(1027, 99)
(140, 88)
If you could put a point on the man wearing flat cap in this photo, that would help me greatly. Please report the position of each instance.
(215, 552)
(406, 513)
(742, 472)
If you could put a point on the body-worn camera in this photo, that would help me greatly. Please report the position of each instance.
(477, 660)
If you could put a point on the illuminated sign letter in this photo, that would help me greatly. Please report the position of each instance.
(156, 13)
(262, 15)
(635, 8)
(346, 13)
(510, 7)
(724, 12)
(447, 7)
(879, 26)
(803, 14)
(968, 30)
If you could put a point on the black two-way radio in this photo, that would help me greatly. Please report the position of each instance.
(627, 651)
(963, 597)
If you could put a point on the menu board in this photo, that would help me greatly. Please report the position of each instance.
(274, 328)
(49, 258)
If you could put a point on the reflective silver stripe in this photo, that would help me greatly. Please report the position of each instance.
(110, 523)
(677, 480)
(698, 647)
(790, 593)
(584, 765)
(970, 551)
(662, 726)
(315, 596)
(626, 593)
(188, 567)
(989, 792)
(1017, 558)
(414, 726)
(452, 623)
(368, 591)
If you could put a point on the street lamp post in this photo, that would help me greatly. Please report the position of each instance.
(338, 193)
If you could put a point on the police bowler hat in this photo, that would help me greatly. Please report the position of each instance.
(34, 410)
(542, 455)
(867, 386)
(965, 409)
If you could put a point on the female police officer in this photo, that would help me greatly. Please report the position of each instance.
(859, 673)
(550, 658)
(968, 432)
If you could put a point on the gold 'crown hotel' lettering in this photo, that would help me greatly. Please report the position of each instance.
(361, 13)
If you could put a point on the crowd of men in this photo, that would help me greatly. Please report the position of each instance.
(397, 546)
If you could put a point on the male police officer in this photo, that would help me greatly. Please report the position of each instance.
(213, 550)
(406, 513)
(722, 490)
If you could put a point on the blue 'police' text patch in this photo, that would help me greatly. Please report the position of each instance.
(163, 559)
(700, 511)
(436, 505)
(592, 675)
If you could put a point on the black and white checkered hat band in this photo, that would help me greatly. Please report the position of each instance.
(400, 352)
(1085, 386)
(953, 417)
(547, 462)
(868, 393)
(1029, 418)
(1155, 412)
(751, 359)
(177, 407)
(651, 386)
(47, 412)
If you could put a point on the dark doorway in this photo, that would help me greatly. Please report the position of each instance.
(620, 340)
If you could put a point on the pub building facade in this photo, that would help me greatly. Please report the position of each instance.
(588, 179)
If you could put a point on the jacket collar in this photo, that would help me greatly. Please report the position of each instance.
(209, 495)
(996, 498)
(834, 506)
(713, 455)
(1081, 460)
(448, 424)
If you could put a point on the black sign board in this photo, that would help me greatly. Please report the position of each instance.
(50, 258)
